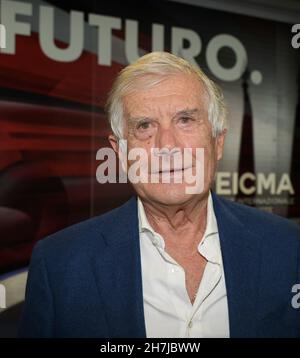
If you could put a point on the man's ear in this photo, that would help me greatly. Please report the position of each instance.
(220, 141)
(113, 140)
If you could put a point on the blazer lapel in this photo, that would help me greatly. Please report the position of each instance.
(118, 273)
(241, 258)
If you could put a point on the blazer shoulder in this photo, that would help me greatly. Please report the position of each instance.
(83, 236)
(260, 222)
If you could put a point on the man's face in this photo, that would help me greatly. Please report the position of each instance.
(172, 114)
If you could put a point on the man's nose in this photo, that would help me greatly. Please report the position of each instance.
(166, 138)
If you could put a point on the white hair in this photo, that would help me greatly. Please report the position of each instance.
(150, 70)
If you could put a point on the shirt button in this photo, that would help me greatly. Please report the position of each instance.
(155, 242)
(190, 325)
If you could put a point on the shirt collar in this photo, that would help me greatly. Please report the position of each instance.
(211, 221)
(144, 224)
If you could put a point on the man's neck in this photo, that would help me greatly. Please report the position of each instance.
(184, 221)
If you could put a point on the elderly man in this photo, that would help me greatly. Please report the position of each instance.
(169, 262)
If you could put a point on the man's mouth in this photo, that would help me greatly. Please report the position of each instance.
(172, 171)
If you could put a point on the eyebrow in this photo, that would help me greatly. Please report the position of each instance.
(186, 112)
(137, 119)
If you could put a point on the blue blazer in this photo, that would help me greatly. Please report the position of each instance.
(85, 281)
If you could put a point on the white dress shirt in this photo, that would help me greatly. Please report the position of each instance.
(167, 306)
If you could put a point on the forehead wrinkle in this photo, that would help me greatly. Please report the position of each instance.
(149, 110)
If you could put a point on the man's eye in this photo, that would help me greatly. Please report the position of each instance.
(186, 119)
(143, 125)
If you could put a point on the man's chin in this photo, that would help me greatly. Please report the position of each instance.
(168, 194)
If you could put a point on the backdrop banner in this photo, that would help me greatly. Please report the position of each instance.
(56, 68)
